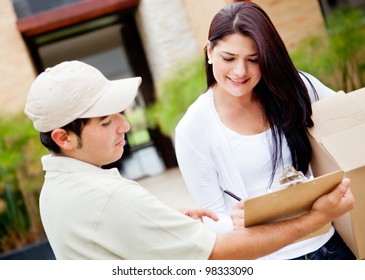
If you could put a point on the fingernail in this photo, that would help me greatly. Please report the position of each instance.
(346, 181)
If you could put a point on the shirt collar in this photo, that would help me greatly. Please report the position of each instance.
(70, 165)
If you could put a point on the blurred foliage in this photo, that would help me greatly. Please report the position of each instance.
(21, 178)
(138, 133)
(175, 94)
(338, 58)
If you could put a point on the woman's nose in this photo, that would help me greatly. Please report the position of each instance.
(239, 69)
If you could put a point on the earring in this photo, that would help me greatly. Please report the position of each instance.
(209, 61)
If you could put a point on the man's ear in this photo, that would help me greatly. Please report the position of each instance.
(63, 139)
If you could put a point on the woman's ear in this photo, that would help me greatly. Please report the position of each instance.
(209, 50)
(63, 139)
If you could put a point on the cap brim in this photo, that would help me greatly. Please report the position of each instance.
(118, 96)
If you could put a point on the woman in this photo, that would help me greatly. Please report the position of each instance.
(249, 124)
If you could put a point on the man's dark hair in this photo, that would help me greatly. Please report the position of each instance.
(76, 127)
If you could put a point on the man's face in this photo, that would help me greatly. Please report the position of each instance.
(103, 140)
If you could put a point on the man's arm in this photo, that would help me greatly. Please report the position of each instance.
(258, 241)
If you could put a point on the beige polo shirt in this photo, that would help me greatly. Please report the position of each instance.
(92, 213)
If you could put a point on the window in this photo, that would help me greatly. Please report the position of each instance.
(26, 8)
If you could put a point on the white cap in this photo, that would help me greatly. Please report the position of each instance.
(75, 90)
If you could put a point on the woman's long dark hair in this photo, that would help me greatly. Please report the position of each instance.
(281, 91)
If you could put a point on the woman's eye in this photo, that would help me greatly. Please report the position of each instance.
(227, 59)
(253, 60)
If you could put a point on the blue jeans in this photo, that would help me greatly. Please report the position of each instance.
(334, 249)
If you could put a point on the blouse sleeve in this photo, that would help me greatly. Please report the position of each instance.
(313, 83)
(200, 175)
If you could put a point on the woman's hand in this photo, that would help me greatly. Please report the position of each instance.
(238, 216)
(199, 213)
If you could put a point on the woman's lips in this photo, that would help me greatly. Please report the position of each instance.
(240, 82)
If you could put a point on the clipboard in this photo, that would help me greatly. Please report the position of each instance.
(290, 202)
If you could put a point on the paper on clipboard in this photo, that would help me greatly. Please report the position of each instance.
(290, 202)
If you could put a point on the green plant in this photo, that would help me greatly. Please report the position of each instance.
(138, 133)
(175, 93)
(21, 180)
(338, 58)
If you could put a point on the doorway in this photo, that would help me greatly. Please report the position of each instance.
(112, 44)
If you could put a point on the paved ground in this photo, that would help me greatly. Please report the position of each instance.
(169, 187)
(146, 167)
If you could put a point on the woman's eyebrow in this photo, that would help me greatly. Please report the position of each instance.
(225, 52)
(229, 53)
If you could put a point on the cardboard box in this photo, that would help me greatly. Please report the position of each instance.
(338, 142)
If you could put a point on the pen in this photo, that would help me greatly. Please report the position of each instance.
(232, 195)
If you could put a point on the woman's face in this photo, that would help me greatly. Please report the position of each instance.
(235, 64)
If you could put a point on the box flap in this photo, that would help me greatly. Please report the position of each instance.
(290, 202)
(347, 147)
(337, 113)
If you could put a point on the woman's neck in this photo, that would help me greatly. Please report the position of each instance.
(242, 114)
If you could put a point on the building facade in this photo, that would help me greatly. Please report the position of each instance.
(170, 31)
(123, 38)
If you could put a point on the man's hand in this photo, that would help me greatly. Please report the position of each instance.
(199, 213)
(337, 202)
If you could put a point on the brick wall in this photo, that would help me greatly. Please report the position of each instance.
(171, 31)
(294, 19)
(16, 70)
(166, 34)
